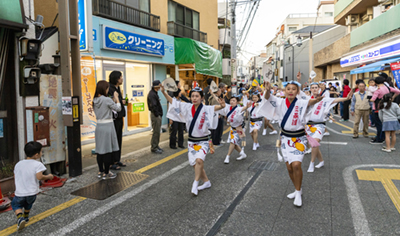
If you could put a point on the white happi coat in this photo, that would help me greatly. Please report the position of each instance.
(254, 115)
(293, 149)
(319, 113)
(207, 119)
(235, 119)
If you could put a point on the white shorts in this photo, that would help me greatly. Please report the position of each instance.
(234, 137)
(293, 149)
(197, 150)
(255, 125)
(317, 131)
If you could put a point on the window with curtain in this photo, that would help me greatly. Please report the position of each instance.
(183, 15)
(143, 5)
(171, 11)
(180, 14)
(196, 20)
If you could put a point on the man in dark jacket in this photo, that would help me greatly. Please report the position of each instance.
(153, 102)
(116, 80)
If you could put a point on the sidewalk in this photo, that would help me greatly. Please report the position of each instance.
(133, 146)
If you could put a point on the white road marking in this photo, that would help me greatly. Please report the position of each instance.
(360, 221)
(337, 132)
(100, 211)
(334, 143)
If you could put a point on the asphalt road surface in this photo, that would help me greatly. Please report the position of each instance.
(355, 193)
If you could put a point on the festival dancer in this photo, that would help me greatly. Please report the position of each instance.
(234, 115)
(316, 124)
(293, 115)
(199, 119)
(256, 120)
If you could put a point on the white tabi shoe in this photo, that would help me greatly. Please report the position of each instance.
(204, 186)
(308, 151)
(242, 156)
(297, 199)
(327, 133)
(273, 132)
(264, 132)
(258, 145)
(321, 164)
(226, 160)
(254, 146)
(194, 188)
(293, 195)
(311, 167)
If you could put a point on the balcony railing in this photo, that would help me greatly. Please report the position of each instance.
(123, 13)
(178, 30)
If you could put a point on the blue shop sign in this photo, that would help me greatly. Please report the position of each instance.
(374, 54)
(82, 25)
(120, 40)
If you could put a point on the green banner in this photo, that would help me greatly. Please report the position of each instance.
(138, 107)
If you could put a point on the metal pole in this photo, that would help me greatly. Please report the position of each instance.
(233, 47)
(292, 62)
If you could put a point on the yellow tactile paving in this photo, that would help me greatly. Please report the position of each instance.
(385, 176)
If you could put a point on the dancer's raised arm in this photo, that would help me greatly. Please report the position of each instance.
(169, 99)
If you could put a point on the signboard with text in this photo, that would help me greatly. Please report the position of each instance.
(120, 40)
(138, 107)
(373, 54)
(82, 25)
(396, 72)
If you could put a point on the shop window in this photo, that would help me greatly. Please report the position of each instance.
(137, 81)
(328, 14)
(183, 15)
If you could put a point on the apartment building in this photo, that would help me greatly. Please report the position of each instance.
(286, 34)
(372, 42)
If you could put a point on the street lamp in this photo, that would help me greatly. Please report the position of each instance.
(287, 45)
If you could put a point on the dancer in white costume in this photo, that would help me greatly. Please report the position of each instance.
(234, 116)
(256, 120)
(293, 115)
(199, 119)
(316, 124)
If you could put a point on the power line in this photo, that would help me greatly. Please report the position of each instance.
(248, 29)
(244, 27)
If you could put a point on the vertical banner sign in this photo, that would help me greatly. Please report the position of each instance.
(396, 72)
(88, 82)
(82, 25)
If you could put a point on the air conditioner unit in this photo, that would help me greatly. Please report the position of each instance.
(352, 19)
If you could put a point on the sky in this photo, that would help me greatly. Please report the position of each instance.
(270, 15)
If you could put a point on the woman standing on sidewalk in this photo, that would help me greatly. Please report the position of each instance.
(389, 113)
(199, 119)
(293, 116)
(105, 135)
(316, 124)
(234, 116)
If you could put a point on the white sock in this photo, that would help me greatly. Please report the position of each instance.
(292, 195)
(311, 167)
(297, 199)
(227, 159)
(254, 146)
(321, 164)
(194, 187)
(204, 185)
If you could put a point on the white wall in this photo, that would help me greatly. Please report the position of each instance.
(50, 48)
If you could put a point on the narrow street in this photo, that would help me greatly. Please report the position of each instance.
(246, 198)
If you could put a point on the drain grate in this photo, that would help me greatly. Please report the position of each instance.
(106, 188)
(263, 165)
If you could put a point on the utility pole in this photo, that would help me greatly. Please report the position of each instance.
(233, 48)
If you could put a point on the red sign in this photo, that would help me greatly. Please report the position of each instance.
(395, 66)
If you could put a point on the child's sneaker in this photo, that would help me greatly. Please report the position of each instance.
(21, 223)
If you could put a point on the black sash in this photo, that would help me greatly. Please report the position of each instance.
(230, 112)
(256, 119)
(293, 134)
(196, 115)
(285, 118)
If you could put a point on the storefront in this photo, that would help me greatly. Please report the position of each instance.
(373, 60)
(142, 56)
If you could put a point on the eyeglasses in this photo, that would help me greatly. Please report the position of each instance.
(197, 89)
